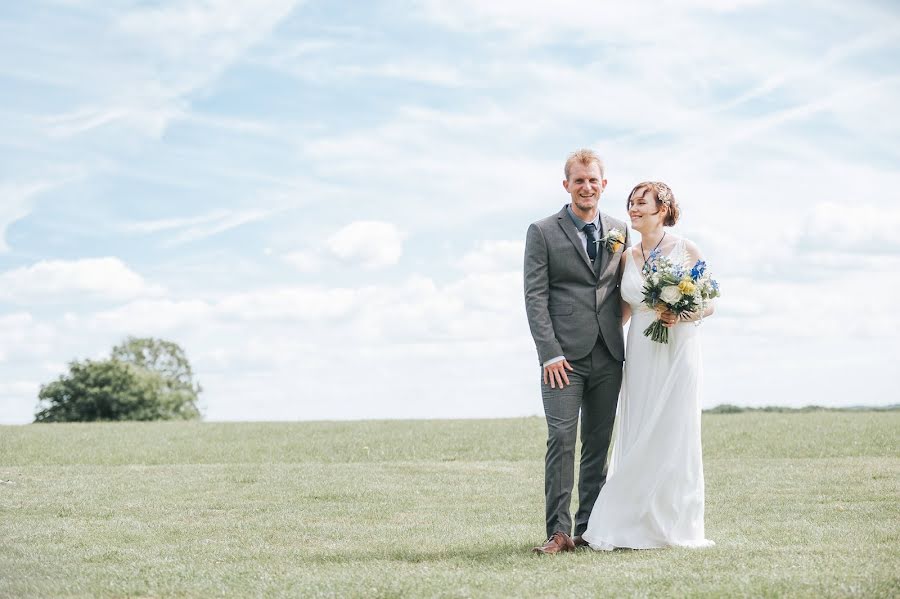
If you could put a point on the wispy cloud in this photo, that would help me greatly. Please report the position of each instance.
(144, 117)
(436, 74)
(17, 198)
(173, 51)
(189, 229)
(15, 203)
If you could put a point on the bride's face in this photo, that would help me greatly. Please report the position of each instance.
(643, 210)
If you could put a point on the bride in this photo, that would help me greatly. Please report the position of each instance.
(653, 496)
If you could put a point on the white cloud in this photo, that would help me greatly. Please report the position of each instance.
(154, 317)
(25, 337)
(498, 293)
(304, 261)
(490, 256)
(314, 307)
(860, 228)
(479, 306)
(313, 304)
(374, 244)
(414, 311)
(56, 280)
(428, 332)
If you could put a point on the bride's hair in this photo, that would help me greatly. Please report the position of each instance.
(664, 197)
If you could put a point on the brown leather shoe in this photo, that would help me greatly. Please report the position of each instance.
(579, 541)
(558, 542)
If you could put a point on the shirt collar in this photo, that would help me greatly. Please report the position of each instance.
(580, 223)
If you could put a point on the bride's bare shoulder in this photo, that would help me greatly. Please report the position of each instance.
(693, 249)
(635, 252)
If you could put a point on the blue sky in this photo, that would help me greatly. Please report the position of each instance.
(325, 203)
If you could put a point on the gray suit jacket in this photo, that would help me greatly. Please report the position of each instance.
(569, 301)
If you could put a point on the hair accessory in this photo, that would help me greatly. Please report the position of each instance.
(663, 192)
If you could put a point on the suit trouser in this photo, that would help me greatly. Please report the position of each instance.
(593, 390)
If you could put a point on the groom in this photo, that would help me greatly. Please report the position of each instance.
(572, 275)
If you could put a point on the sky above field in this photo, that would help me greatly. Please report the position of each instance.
(325, 203)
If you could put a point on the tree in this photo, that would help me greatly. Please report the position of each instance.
(146, 379)
(163, 357)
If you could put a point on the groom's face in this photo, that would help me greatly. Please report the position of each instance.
(585, 184)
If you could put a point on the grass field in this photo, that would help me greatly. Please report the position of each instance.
(799, 505)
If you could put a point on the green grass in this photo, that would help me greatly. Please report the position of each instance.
(800, 504)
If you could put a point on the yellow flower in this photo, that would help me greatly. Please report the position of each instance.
(687, 286)
(614, 240)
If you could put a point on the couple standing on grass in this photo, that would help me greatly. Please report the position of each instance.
(583, 282)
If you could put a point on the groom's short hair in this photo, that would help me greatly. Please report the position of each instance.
(585, 157)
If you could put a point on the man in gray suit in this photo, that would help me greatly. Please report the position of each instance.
(572, 276)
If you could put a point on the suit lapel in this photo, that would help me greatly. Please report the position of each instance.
(602, 252)
(568, 228)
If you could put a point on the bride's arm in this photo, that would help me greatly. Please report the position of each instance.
(695, 254)
(626, 312)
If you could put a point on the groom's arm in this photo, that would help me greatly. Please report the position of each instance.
(537, 295)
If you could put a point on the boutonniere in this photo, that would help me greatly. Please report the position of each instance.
(613, 241)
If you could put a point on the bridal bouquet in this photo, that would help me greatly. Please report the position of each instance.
(674, 287)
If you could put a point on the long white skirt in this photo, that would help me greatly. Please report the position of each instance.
(654, 493)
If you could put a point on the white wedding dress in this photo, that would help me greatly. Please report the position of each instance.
(654, 496)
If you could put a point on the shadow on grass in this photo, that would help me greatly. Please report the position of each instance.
(487, 554)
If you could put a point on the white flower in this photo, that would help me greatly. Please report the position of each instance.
(670, 294)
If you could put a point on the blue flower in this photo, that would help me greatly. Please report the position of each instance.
(715, 284)
(698, 269)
